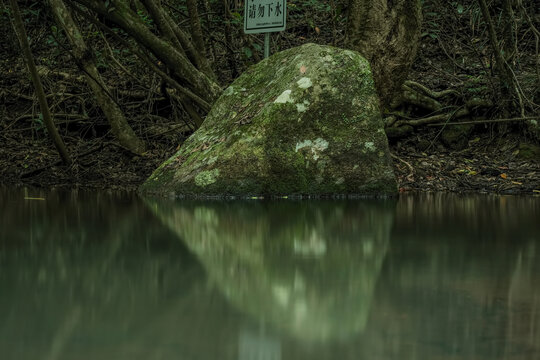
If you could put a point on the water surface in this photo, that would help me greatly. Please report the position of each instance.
(105, 275)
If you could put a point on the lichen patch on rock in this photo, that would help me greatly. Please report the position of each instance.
(205, 178)
(315, 147)
(304, 83)
(370, 146)
(285, 97)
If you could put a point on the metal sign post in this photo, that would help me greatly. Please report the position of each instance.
(266, 45)
(265, 16)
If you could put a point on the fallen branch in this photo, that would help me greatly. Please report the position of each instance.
(56, 116)
(486, 121)
(46, 72)
(30, 97)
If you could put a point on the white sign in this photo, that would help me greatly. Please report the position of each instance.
(264, 16)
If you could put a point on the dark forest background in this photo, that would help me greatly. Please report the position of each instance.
(125, 82)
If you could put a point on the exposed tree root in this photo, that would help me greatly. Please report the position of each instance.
(417, 98)
(433, 119)
(429, 92)
(399, 124)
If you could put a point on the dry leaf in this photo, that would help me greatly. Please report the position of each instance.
(317, 30)
(504, 176)
(302, 69)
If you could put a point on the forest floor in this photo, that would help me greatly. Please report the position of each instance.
(488, 164)
(506, 165)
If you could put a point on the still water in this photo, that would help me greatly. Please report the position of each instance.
(98, 275)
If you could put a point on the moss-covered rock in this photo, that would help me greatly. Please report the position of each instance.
(304, 121)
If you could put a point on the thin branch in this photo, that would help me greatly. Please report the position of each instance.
(487, 121)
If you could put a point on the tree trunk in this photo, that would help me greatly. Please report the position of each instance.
(194, 79)
(228, 39)
(20, 31)
(509, 31)
(200, 61)
(119, 125)
(386, 33)
(165, 28)
(508, 88)
(196, 30)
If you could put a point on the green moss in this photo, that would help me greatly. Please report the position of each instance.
(205, 178)
(295, 123)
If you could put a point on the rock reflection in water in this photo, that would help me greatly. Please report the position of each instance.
(308, 268)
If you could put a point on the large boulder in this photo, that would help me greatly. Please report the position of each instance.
(303, 122)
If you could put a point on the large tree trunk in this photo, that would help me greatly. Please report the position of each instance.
(119, 125)
(386, 33)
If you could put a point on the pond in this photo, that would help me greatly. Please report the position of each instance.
(107, 275)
